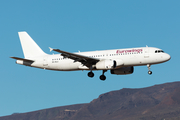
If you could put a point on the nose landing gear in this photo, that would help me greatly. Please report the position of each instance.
(149, 72)
(149, 69)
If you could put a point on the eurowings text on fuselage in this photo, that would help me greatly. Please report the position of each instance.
(118, 61)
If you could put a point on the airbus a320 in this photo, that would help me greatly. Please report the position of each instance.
(118, 61)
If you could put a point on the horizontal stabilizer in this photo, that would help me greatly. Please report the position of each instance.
(27, 60)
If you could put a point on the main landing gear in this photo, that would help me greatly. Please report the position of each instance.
(149, 69)
(91, 74)
(102, 77)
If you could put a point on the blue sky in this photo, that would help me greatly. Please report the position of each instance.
(82, 25)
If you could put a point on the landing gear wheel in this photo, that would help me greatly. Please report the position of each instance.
(91, 74)
(149, 67)
(149, 72)
(102, 77)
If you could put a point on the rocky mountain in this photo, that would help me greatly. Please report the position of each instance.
(159, 102)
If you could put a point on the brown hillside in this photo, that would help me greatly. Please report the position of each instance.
(152, 103)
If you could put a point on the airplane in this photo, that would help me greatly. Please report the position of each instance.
(118, 61)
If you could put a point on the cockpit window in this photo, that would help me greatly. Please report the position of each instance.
(159, 51)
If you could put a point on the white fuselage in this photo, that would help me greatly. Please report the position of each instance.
(130, 57)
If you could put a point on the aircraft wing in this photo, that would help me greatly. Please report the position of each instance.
(85, 60)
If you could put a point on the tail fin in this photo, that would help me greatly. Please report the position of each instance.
(30, 48)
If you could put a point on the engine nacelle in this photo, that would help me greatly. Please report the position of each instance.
(123, 71)
(105, 64)
(118, 63)
(108, 64)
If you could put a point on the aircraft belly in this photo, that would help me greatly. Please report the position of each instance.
(66, 66)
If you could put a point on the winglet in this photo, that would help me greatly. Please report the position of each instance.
(51, 49)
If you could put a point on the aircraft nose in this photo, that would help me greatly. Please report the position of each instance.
(167, 57)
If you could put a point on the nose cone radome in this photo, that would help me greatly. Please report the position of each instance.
(167, 57)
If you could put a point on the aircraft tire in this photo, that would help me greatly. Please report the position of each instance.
(149, 72)
(91, 74)
(102, 77)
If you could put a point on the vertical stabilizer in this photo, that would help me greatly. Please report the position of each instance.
(30, 48)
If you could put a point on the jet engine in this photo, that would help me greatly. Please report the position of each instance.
(123, 71)
(108, 64)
